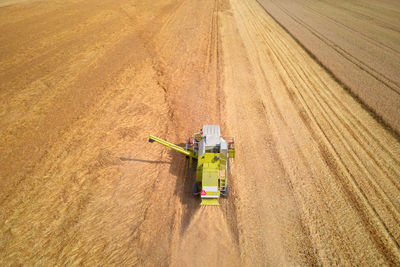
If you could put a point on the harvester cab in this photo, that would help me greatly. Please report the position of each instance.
(209, 155)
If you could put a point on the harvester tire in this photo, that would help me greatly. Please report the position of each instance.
(196, 189)
(226, 193)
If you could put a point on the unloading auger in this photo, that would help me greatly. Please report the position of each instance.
(209, 155)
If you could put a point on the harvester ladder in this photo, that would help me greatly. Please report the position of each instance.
(223, 179)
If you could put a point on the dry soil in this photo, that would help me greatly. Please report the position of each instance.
(315, 180)
(358, 42)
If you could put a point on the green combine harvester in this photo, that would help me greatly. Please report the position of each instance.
(209, 155)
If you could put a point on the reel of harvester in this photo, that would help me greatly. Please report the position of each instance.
(209, 155)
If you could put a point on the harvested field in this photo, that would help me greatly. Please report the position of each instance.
(83, 83)
(358, 41)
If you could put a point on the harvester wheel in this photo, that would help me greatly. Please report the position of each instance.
(196, 189)
(226, 193)
(194, 166)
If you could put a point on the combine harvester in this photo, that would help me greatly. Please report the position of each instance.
(209, 155)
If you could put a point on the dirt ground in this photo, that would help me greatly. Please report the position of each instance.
(358, 41)
(82, 85)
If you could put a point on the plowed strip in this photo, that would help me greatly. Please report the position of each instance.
(331, 151)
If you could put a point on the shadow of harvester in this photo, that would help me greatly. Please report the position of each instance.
(179, 168)
(186, 179)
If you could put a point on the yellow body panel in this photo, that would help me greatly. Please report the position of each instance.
(209, 202)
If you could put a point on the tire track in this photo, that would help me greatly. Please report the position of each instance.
(392, 85)
(363, 36)
(350, 143)
(361, 146)
(355, 158)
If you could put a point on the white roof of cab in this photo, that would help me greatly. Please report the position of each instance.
(212, 135)
(211, 130)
